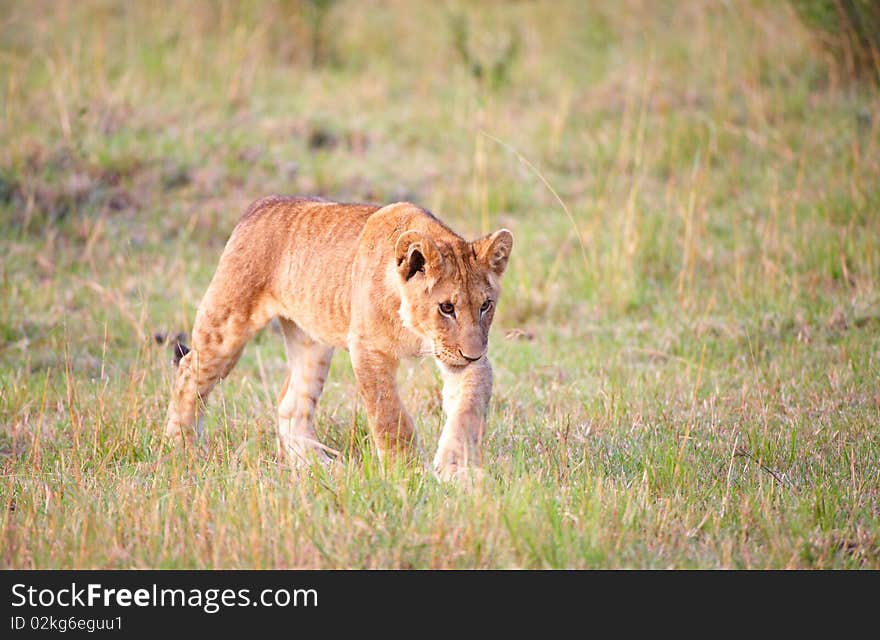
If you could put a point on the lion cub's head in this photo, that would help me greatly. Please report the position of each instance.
(449, 291)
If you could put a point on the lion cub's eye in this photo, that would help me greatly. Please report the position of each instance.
(447, 309)
(485, 306)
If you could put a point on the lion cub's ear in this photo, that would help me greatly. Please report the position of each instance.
(415, 253)
(494, 250)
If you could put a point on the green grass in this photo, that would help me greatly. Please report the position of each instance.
(695, 387)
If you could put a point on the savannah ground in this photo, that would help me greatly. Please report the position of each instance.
(687, 350)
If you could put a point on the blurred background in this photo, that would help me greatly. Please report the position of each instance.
(722, 151)
(694, 189)
(723, 154)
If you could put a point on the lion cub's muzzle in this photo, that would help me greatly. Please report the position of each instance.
(469, 358)
(457, 359)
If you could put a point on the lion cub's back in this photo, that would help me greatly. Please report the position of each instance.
(306, 247)
(311, 221)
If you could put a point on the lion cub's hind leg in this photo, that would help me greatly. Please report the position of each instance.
(308, 362)
(216, 348)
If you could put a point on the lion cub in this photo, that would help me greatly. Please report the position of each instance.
(384, 283)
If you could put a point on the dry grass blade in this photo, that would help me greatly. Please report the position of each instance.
(534, 169)
(113, 297)
(781, 479)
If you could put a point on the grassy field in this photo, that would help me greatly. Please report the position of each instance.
(687, 352)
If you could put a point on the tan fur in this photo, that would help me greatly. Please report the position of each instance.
(362, 278)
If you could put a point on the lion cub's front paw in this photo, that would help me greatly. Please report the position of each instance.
(302, 453)
(461, 475)
(449, 465)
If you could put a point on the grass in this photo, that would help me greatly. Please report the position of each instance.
(695, 386)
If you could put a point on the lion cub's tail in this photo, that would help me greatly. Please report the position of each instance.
(179, 347)
(180, 350)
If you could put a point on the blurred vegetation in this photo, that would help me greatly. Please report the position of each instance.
(495, 67)
(849, 29)
(317, 12)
